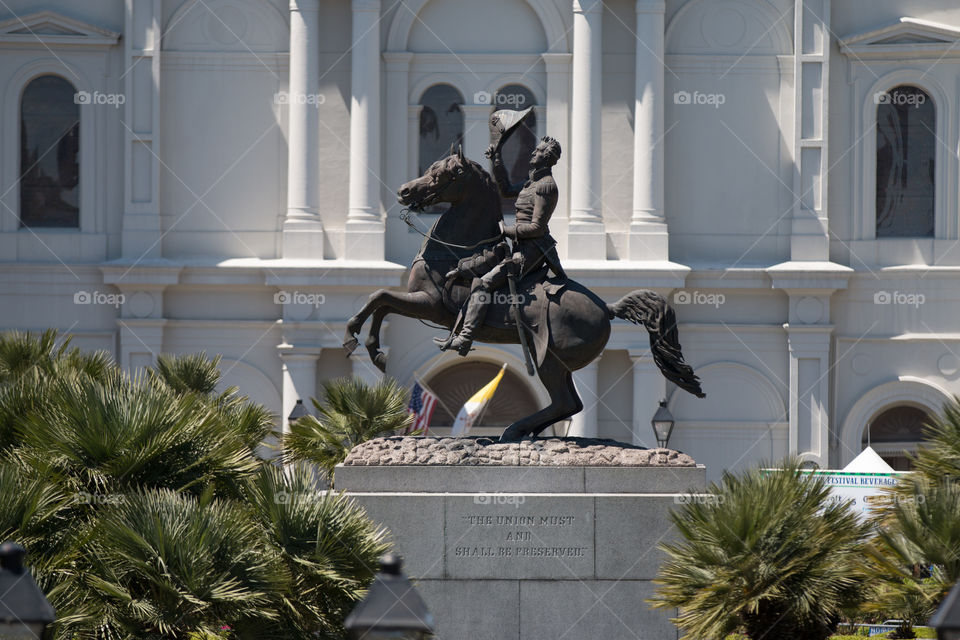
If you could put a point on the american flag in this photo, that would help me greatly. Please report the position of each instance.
(422, 404)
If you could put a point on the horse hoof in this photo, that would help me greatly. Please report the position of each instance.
(381, 361)
(512, 434)
(350, 345)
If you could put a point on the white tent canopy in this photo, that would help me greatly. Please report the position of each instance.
(869, 461)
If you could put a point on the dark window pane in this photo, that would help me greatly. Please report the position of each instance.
(896, 432)
(519, 146)
(49, 154)
(906, 148)
(441, 125)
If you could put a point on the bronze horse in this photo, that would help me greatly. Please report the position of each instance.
(579, 321)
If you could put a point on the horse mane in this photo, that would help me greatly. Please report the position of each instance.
(489, 184)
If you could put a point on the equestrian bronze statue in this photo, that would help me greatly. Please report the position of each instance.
(457, 280)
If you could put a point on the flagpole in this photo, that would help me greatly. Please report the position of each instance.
(443, 404)
(484, 409)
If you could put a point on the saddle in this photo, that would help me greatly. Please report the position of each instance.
(535, 292)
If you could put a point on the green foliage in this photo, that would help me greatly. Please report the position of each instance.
(768, 554)
(147, 513)
(916, 554)
(352, 412)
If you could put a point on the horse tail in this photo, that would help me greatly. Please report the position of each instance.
(650, 309)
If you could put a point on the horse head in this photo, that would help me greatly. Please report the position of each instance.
(453, 179)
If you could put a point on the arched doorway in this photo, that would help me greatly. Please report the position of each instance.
(454, 386)
(895, 432)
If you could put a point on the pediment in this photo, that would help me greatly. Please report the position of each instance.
(46, 28)
(905, 36)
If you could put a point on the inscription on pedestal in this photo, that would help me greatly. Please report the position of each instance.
(543, 537)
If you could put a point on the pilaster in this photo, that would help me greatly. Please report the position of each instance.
(141, 227)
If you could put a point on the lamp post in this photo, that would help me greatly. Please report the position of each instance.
(662, 424)
(947, 618)
(298, 411)
(392, 608)
(25, 612)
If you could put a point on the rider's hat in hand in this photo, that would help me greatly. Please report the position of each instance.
(504, 122)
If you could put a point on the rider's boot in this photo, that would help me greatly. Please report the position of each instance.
(472, 320)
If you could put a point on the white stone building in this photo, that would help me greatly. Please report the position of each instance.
(219, 175)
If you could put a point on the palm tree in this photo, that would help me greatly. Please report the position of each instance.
(916, 555)
(329, 549)
(148, 513)
(939, 458)
(765, 552)
(352, 412)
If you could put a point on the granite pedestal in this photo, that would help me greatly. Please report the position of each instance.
(545, 540)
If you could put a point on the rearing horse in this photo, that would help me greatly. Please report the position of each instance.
(579, 321)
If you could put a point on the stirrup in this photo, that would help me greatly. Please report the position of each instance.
(463, 348)
(444, 343)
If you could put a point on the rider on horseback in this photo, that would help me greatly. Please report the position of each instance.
(532, 244)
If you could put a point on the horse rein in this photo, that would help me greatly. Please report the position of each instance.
(418, 206)
(407, 218)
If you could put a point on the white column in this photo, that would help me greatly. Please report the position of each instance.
(397, 71)
(586, 238)
(648, 228)
(649, 388)
(584, 424)
(299, 377)
(362, 367)
(558, 126)
(303, 226)
(141, 232)
(476, 132)
(365, 230)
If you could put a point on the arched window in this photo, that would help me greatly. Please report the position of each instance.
(894, 433)
(455, 385)
(49, 154)
(906, 147)
(517, 148)
(441, 125)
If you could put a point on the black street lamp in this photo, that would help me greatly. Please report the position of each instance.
(392, 609)
(662, 424)
(297, 412)
(25, 612)
(947, 618)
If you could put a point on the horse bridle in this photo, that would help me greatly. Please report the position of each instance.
(432, 198)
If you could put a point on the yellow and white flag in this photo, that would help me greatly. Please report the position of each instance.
(473, 407)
